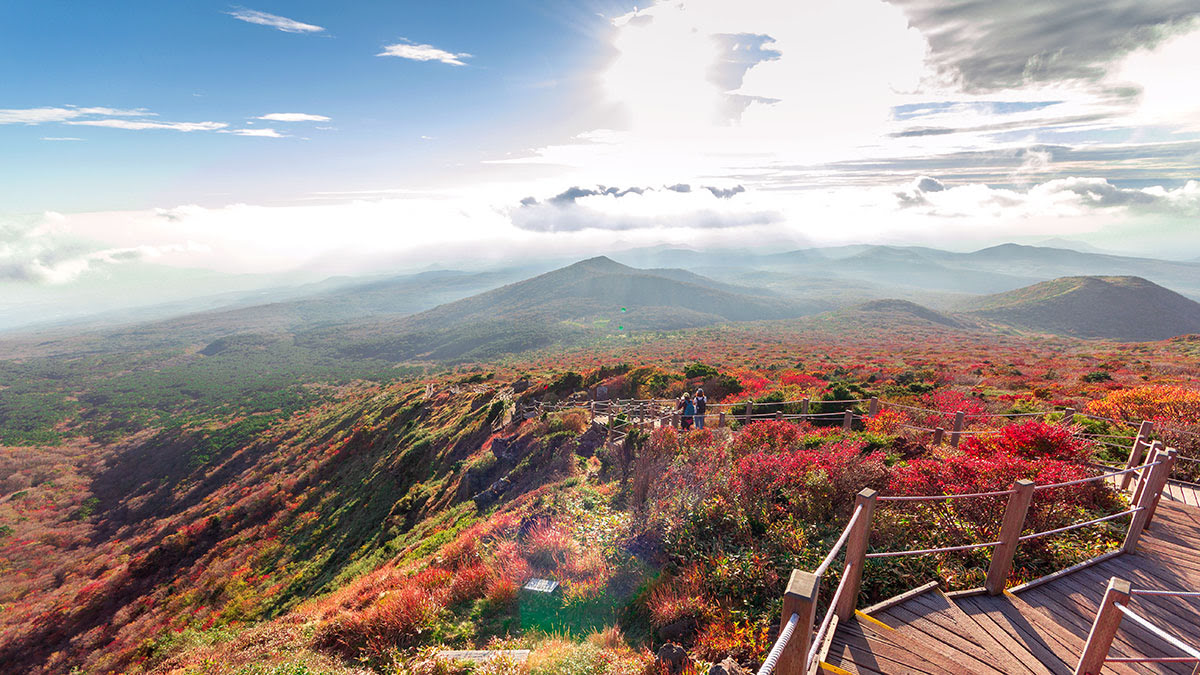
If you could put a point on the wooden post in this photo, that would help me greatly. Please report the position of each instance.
(1104, 628)
(1156, 448)
(1068, 416)
(1167, 468)
(721, 420)
(675, 420)
(1010, 533)
(1135, 453)
(847, 421)
(938, 434)
(749, 412)
(804, 407)
(958, 427)
(778, 415)
(800, 598)
(856, 551)
(1149, 488)
(873, 408)
(592, 407)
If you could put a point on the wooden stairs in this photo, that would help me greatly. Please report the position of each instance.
(1041, 630)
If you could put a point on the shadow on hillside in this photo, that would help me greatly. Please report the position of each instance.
(140, 485)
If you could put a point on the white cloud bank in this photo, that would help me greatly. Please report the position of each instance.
(293, 117)
(418, 52)
(461, 229)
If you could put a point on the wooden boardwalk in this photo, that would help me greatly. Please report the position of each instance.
(1188, 493)
(1042, 630)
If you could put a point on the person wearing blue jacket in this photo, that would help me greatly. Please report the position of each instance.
(688, 410)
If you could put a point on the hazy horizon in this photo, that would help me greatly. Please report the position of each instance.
(165, 152)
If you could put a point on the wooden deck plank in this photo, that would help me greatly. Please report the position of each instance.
(1064, 618)
(1010, 663)
(860, 646)
(952, 641)
(1158, 609)
(1011, 642)
(1042, 630)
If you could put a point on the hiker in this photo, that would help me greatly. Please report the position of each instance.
(701, 402)
(688, 410)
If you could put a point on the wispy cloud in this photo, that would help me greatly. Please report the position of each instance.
(61, 114)
(293, 117)
(60, 138)
(416, 52)
(261, 133)
(274, 21)
(139, 125)
(114, 118)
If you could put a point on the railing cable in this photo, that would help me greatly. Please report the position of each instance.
(1170, 639)
(780, 642)
(1076, 526)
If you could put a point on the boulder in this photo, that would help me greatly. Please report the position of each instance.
(682, 630)
(673, 659)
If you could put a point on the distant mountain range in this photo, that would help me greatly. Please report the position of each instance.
(1119, 308)
(591, 298)
(910, 271)
(455, 315)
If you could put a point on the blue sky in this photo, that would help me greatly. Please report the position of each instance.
(158, 143)
(390, 118)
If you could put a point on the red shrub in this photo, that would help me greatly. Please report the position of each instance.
(767, 436)
(469, 583)
(886, 422)
(810, 484)
(1031, 440)
(502, 591)
(547, 546)
(973, 472)
(464, 549)
(675, 601)
(432, 578)
(803, 380)
(742, 640)
(396, 619)
(947, 402)
(508, 563)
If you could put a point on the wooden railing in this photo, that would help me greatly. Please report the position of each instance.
(801, 644)
(799, 649)
(1113, 609)
(725, 413)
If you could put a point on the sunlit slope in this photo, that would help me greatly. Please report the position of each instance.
(1119, 308)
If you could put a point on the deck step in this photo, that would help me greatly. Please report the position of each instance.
(997, 616)
(933, 618)
(866, 645)
(1041, 630)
